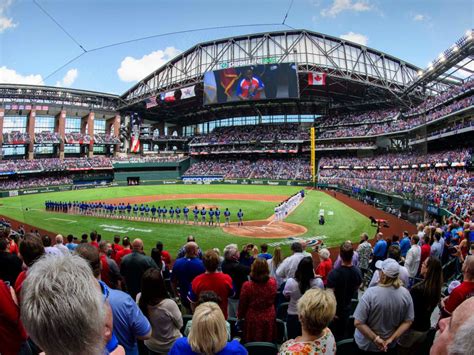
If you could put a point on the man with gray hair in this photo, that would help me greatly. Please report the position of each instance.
(288, 267)
(60, 245)
(238, 272)
(75, 306)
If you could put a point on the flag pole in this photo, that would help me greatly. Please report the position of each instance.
(313, 156)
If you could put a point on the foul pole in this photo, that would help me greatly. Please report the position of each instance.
(313, 156)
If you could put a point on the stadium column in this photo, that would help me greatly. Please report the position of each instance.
(2, 115)
(60, 128)
(90, 132)
(113, 126)
(30, 129)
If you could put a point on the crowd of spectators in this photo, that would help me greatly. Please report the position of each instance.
(397, 125)
(261, 168)
(341, 146)
(47, 137)
(255, 133)
(369, 117)
(103, 138)
(442, 98)
(23, 183)
(115, 298)
(244, 148)
(55, 164)
(398, 159)
(16, 138)
(77, 138)
(152, 158)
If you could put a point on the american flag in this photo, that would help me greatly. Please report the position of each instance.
(151, 102)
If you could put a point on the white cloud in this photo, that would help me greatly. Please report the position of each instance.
(419, 17)
(339, 6)
(5, 22)
(69, 78)
(133, 69)
(10, 76)
(355, 37)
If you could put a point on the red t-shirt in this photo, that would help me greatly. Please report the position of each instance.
(121, 254)
(94, 244)
(12, 333)
(166, 257)
(218, 282)
(459, 295)
(19, 283)
(14, 248)
(323, 269)
(115, 249)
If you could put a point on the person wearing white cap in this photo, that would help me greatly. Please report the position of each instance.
(384, 312)
(393, 253)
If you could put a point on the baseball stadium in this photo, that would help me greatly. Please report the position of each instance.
(261, 140)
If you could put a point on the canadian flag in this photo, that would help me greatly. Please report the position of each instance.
(135, 146)
(317, 79)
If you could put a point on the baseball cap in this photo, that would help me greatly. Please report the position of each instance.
(389, 267)
(453, 285)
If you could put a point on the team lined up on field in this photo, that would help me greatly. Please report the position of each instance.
(145, 212)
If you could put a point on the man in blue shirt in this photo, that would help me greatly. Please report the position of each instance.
(240, 216)
(171, 215)
(211, 217)
(196, 214)
(405, 244)
(218, 216)
(186, 212)
(264, 252)
(185, 270)
(164, 211)
(153, 212)
(178, 214)
(203, 215)
(380, 250)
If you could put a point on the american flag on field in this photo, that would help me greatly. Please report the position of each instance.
(151, 102)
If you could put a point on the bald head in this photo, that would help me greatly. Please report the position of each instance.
(191, 249)
(137, 245)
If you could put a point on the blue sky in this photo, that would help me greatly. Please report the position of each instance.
(32, 46)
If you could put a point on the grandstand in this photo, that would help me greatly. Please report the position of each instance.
(387, 134)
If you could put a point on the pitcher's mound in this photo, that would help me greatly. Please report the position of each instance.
(265, 229)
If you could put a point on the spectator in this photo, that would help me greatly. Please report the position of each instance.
(273, 264)
(182, 251)
(463, 291)
(133, 266)
(303, 280)
(364, 250)
(380, 249)
(238, 272)
(325, 265)
(412, 261)
(31, 249)
(124, 251)
(165, 256)
(246, 256)
(437, 246)
(116, 247)
(383, 313)
(71, 289)
(212, 280)
(109, 271)
(288, 267)
(185, 271)
(208, 334)
(60, 244)
(129, 323)
(10, 264)
(48, 249)
(455, 333)
(405, 244)
(264, 252)
(93, 235)
(70, 243)
(162, 312)
(316, 308)
(426, 296)
(344, 281)
(257, 304)
(425, 249)
(394, 254)
(12, 334)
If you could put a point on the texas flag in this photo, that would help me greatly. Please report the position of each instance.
(317, 78)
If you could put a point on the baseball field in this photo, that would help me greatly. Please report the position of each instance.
(257, 203)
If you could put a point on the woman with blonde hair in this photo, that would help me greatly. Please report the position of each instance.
(384, 312)
(316, 308)
(325, 266)
(256, 305)
(208, 334)
(273, 264)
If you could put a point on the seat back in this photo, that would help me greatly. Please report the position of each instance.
(261, 348)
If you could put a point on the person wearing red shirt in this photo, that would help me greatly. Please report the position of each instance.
(93, 241)
(165, 256)
(116, 247)
(425, 250)
(125, 251)
(211, 280)
(12, 333)
(31, 249)
(464, 291)
(13, 248)
(325, 266)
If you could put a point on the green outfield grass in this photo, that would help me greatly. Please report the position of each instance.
(344, 223)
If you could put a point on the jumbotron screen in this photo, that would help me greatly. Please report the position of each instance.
(251, 83)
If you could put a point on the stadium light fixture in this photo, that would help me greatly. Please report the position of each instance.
(469, 34)
(442, 57)
(420, 72)
(455, 48)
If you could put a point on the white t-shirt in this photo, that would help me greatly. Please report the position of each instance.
(292, 290)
